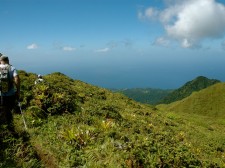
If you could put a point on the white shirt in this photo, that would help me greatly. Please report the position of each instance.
(39, 80)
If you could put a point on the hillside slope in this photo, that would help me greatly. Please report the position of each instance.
(75, 124)
(207, 102)
(202, 115)
(197, 84)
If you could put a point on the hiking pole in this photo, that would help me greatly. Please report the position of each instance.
(25, 125)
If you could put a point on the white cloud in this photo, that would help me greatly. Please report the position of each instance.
(161, 41)
(102, 50)
(68, 48)
(32, 46)
(122, 43)
(149, 13)
(191, 21)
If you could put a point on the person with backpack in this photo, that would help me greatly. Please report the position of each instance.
(39, 79)
(9, 91)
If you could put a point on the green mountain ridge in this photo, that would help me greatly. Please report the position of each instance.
(75, 124)
(166, 96)
(188, 88)
(207, 102)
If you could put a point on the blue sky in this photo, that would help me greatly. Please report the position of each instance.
(116, 43)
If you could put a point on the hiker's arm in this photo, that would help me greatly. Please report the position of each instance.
(17, 84)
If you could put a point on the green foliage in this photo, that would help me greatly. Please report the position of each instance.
(16, 152)
(27, 84)
(207, 102)
(54, 95)
(74, 124)
(187, 89)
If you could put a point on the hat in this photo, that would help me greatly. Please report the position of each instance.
(4, 58)
(39, 76)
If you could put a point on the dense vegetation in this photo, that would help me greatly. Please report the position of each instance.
(74, 124)
(147, 95)
(187, 89)
(207, 102)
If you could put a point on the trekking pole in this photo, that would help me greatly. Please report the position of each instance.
(25, 125)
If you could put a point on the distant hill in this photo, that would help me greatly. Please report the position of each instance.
(145, 95)
(197, 84)
(207, 102)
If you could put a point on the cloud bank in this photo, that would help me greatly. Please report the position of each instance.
(68, 48)
(190, 21)
(102, 50)
(32, 46)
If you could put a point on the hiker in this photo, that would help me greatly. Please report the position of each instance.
(39, 79)
(9, 91)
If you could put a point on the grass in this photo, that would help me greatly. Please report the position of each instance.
(204, 134)
(207, 102)
(105, 129)
(154, 140)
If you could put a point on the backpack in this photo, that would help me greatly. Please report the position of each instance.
(5, 80)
